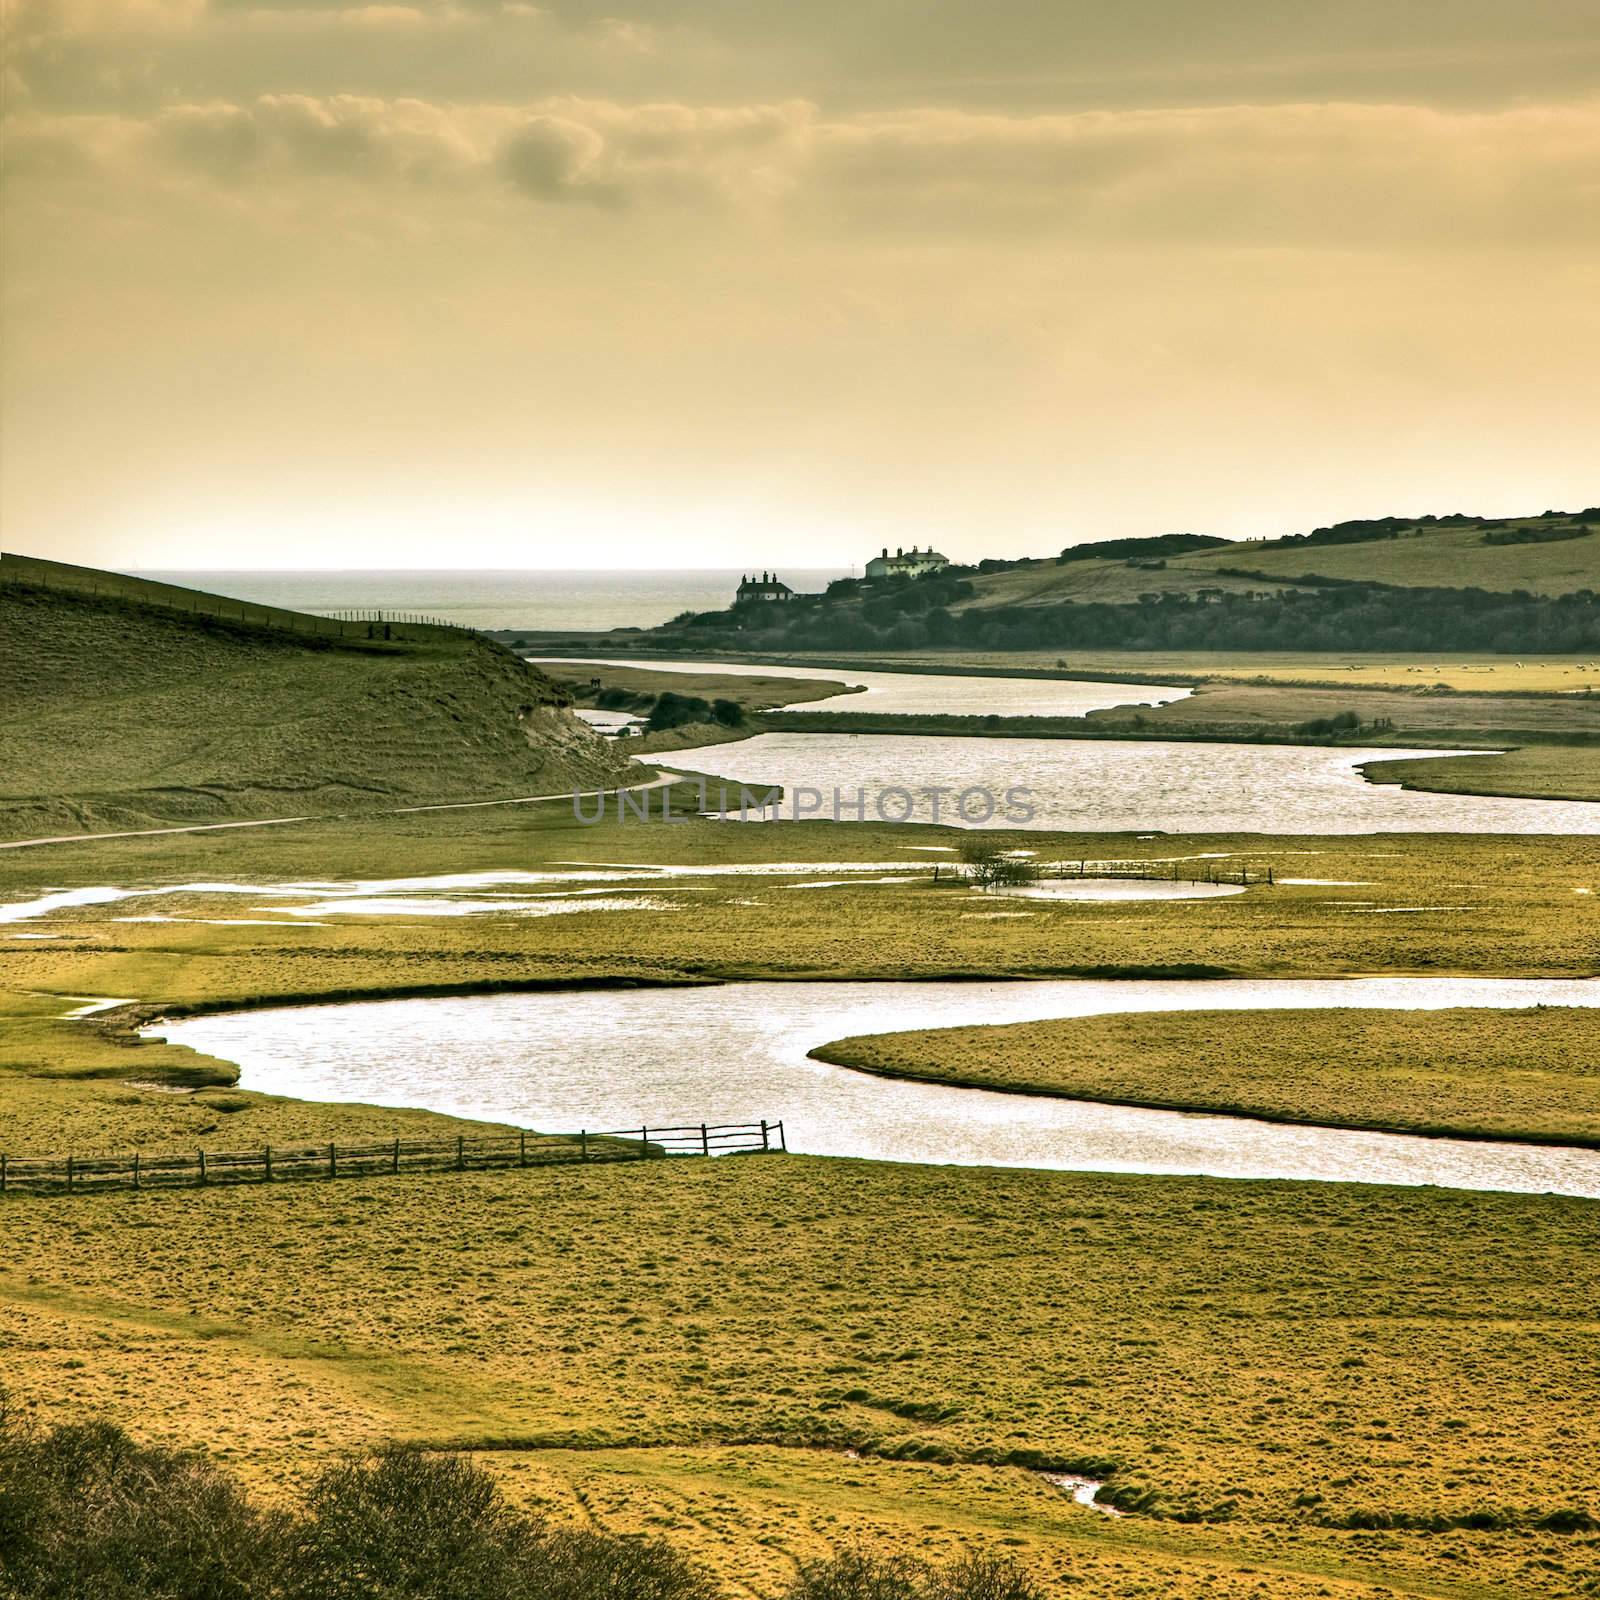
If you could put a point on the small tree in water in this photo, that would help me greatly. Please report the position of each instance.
(990, 867)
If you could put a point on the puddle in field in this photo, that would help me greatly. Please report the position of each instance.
(1117, 889)
(1082, 1490)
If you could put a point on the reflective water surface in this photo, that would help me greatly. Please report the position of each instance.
(1127, 785)
(737, 1052)
(905, 693)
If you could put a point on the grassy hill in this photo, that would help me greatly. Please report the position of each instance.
(1497, 586)
(1543, 555)
(120, 714)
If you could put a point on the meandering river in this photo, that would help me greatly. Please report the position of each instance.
(913, 693)
(1122, 785)
(606, 1059)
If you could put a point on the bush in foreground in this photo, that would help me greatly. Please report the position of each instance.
(857, 1576)
(88, 1514)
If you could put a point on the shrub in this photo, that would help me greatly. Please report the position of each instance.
(1344, 722)
(88, 1514)
(407, 1523)
(673, 710)
(990, 867)
(854, 1576)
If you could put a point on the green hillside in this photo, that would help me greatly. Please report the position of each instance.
(1543, 555)
(124, 714)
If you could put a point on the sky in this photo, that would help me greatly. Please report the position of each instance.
(656, 283)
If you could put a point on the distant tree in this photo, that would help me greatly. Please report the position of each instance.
(673, 710)
(989, 866)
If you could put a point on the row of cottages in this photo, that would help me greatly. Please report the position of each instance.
(904, 564)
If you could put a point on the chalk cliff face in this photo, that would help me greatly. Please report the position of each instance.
(119, 714)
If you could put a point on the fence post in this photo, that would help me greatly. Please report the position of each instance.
(461, 1154)
(764, 1144)
(135, 1170)
(394, 1159)
(266, 1163)
(644, 1144)
(705, 1141)
(69, 1174)
(2, 1174)
(522, 1147)
(783, 1143)
(202, 1166)
(333, 1160)
(583, 1145)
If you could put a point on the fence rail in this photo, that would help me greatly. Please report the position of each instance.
(1159, 871)
(194, 1169)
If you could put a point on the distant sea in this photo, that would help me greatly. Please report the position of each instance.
(582, 601)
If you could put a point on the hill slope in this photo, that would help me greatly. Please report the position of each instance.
(1543, 555)
(118, 714)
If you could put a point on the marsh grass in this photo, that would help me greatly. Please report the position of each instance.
(1334, 1379)
(1529, 1075)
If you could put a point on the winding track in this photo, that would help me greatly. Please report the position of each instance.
(658, 781)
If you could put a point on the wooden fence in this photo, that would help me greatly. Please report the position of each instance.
(1160, 871)
(467, 1153)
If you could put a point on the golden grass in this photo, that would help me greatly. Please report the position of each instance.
(1283, 1363)
(1530, 1075)
(1535, 772)
(1466, 673)
(1428, 558)
(117, 717)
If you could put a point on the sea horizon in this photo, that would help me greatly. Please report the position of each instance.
(538, 599)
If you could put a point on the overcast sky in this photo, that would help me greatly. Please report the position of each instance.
(724, 282)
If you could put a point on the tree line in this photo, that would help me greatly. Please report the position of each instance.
(1336, 617)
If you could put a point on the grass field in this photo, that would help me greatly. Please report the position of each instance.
(1421, 557)
(1467, 674)
(1291, 1386)
(753, 692)
(120, 716)
(1537, 772)
(1531, 1075)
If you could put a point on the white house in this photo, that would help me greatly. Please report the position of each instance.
(906, 564)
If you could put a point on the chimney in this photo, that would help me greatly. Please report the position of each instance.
(898, 552)
(886, 552)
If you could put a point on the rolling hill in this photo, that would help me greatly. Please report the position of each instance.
(1542, 555)
(123, 713)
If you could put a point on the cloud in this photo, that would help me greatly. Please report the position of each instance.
(1356, 174)
(1332, 176)
(552, 158)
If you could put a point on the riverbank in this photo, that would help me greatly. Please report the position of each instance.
(1549, 736)
(1526, 1077)
(705, 901)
